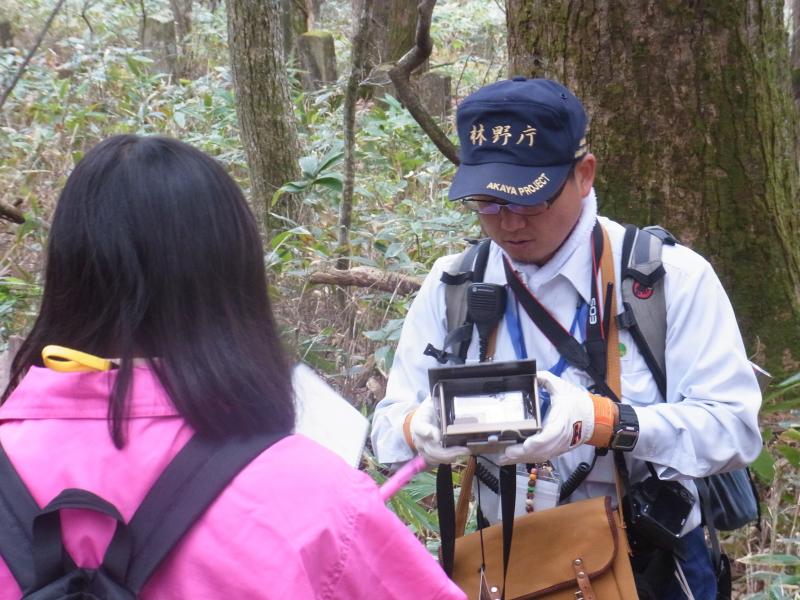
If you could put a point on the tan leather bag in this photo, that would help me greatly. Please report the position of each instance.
(570, 552)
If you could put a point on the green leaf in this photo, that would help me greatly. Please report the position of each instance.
(180, 119)
(332, 182)
(13, 281)
(412, 513)
(793, 380)
(764, 467)
(277, 240)
(394, 249)
(790, 453)
(781, 388)
(771, 560)
(309, 165)
(784, 406)
(133, 65)
(421, 486)
(330, 159)
(293, 187)
(384, 357)
(375, 335)
(791, 435)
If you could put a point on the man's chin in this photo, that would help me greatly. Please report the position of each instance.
(523, 253)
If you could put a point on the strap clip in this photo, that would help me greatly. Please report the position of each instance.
(441, 356)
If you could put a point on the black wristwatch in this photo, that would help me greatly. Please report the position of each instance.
(626, 430)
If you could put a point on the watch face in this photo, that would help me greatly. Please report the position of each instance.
(625, 439)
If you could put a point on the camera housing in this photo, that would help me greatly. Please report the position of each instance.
(486, 406)
(660, 510)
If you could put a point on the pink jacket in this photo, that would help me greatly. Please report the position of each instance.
(296, 523)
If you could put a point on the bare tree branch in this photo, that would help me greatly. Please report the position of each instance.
(368, 277)
(143, 10)
(11, 214)
(86, 6)
(24, 65)
(400, 74)
(350, 98)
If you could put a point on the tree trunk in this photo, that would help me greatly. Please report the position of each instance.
(349, 131)
(294, 23)
(391, 30)
(794, 37)
(263, 103)
(692, 121)
(182, 15)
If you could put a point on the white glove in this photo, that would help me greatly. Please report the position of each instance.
(568, 423)
(427, 438)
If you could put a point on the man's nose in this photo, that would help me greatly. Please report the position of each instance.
(510, 221)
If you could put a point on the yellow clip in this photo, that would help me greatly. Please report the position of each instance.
(67, 360)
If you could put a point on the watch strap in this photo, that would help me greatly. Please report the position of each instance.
(626, 430)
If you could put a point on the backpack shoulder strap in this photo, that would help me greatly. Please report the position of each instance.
(17, 511)
(644, 312)
(470, 267)
(190, 483)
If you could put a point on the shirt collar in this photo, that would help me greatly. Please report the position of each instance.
(46, 394)
(571, 261)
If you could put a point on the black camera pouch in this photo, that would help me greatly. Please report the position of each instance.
(656, 512)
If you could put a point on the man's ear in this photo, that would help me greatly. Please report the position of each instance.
(584, 174)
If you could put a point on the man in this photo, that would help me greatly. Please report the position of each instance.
(527, 172)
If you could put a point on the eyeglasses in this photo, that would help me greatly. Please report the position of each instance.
(493, 207)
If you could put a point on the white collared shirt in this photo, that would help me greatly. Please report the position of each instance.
(710, 420)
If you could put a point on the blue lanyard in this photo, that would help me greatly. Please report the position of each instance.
(514, 327)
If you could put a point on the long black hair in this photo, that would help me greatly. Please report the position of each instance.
(154, 253)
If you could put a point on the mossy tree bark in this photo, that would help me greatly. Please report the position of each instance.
(693, 124)
(263, 104)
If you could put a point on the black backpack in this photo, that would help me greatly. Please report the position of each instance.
(30, 537)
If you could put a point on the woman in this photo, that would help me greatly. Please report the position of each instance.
(155, 261)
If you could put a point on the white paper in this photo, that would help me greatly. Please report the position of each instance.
(327, 418)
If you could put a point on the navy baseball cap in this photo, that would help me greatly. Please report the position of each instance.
(519, 139)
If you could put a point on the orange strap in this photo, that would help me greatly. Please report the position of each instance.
(605, 411)
(464, 496)
(605, 415)
(613, 367)
(613, 372)
(407, 429)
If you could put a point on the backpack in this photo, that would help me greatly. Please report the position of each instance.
(729, 500)
(30, 537)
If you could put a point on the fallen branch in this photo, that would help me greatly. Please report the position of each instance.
(368, 277)
(400, 74)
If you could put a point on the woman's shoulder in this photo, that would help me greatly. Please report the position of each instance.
(299, 468)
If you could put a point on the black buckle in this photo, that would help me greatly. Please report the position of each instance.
(441, 356)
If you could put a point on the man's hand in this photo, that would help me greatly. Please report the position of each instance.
(569, 423)
(427, 439)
